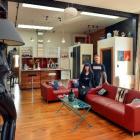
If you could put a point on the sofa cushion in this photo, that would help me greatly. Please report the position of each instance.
(120, 95)
(111, 91)
(117, 112)
(132, 94)
(102, 92)
(135, 100)
(75, 83)
(109, 108)
(55, 85)
(90, 97)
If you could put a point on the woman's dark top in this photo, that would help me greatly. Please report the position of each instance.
(86, 80)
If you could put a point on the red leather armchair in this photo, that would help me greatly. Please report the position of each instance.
(49, 94)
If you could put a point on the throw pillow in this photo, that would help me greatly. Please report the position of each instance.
(55, 85)
(75, 83)
(121, 92)
(102, 92)
(136, 100)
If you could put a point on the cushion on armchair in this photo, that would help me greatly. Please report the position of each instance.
(75, 83)
(56, 84)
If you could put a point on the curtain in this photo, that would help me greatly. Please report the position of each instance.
(137, 68)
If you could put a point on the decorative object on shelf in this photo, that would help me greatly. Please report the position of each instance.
(116, 33)
(109, 35)
(129, 34)
(71, 96)
(71, 11)
(25, 67)
(123, 34)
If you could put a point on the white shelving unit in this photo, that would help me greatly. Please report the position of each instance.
(120, 68)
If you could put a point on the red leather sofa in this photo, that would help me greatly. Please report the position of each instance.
(49, 94)
(125, 114)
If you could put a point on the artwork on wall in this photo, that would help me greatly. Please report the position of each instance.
(124, 55)
(86, 59)
(127, 55)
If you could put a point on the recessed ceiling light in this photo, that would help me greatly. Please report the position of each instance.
(42, 7)
(48, 41)
(40, 40)
(34, 27)
(99, 15)
(40, 33)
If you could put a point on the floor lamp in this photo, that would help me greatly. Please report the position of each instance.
(8, 37)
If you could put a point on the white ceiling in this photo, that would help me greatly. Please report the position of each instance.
(132, 6)
(78, 24)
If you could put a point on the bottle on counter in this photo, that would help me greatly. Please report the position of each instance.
(71, 96)
(25, 67)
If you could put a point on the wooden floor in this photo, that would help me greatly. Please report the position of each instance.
(39, 121)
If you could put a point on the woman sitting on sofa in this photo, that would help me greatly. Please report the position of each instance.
(85, 81)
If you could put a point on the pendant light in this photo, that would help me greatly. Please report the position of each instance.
(63, 39)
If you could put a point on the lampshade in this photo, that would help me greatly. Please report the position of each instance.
(8, 34)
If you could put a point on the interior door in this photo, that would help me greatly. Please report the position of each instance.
(106, 59)
(76, 62)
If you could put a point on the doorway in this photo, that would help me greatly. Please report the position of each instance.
(106, 59)
(76, 62)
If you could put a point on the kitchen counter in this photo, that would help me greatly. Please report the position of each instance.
(45, 69)
(43, 74)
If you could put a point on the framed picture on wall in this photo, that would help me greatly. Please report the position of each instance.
(120, 55)
(86, 59)
(127, 55)
(124, 55)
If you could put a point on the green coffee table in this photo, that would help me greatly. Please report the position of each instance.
(76, 106)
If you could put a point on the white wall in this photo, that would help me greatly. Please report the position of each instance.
(27, 35)
(86, 49)
(123, 67)
(55, 39)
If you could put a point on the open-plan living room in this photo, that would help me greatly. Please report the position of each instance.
(69, 70)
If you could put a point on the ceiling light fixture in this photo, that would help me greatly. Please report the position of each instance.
(40, 41)
(99, 15)
(48, 41)
(34, 27)
(42, 7)
(63, 40)
(71, 11)
(32, 39)
(40, 33)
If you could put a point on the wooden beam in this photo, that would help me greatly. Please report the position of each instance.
(59, 4)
